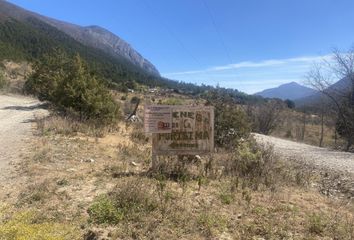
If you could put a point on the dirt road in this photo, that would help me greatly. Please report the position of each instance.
(319, 157)
(16, 120)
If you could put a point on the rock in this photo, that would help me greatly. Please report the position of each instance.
(134, 164)
(90, 160)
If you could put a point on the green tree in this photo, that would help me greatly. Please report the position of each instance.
(290, 104)
(69, 85)
(231, 122)
(3, 81)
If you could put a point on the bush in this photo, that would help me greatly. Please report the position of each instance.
(3, 82)
(138, 135)
(133, 199)
(254, 163)
(126, 202)
(316, 224)
(231, 125)
(266, 116)
(67, 83)
(134, 100)
(103, 211)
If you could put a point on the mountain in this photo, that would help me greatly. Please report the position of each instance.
(312, 100)
(291, 91)
(91, 36)
(27, 36)
(97, 37)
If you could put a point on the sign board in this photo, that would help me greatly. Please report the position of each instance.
(157, 119)
(191, 133)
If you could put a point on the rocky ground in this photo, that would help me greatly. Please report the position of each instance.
(319, 157)
(336, 169)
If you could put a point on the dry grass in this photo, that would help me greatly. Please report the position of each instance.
(103, 186)
(292, 124)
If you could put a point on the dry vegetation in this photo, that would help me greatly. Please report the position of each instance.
(14, 75)
(291, 126)
(84, 183)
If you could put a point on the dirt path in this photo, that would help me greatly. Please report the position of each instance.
(319, 157)
(16, 120)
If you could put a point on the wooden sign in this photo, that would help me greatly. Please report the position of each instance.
(192, 132)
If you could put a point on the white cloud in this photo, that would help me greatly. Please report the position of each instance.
(306, 60)
(252, 76)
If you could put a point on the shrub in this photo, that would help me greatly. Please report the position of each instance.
(128, 202)
(267, 116)
(67, 83)
(231, 125)
(134, 100)
(37, 193)
(209, 223)
(316, 224)
(255, 163)
(133, 199)
(103, 211)
(226, 198)
(138, 135)
(3, 82)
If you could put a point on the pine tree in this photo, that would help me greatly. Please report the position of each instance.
(69, 85)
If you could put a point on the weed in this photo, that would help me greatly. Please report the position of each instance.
(134, 198)
(209, 223)
(138, 135)
(226, 198)
(36, 193)
(24, 225)
(127, 202)
(316, 224)
(43, 156)
(103, 211)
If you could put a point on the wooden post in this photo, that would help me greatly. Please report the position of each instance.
(154, 162)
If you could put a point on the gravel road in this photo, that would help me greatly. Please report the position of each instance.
(16, 117)
(319, 157)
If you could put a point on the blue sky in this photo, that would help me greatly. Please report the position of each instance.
(249, 45)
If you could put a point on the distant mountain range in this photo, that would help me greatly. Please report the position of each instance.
(316, 98)
(91, 36)
(291, 91)
(304, 96)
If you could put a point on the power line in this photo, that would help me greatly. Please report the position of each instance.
(168, 29)
(217, 31)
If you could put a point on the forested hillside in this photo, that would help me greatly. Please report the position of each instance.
(33, 39)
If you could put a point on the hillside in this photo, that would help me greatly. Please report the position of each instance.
(316, 98)
(27, 36)
(91, 36)
(289, 91)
